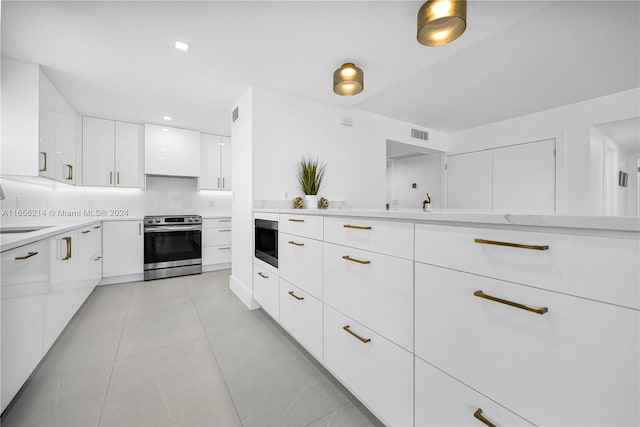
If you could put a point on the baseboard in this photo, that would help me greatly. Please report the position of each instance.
(216, 267)
(241, 292)
(121, 279)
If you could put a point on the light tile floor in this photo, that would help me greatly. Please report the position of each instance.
(179, 352)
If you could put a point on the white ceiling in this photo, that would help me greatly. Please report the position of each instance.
(625, 133)
(116, 59)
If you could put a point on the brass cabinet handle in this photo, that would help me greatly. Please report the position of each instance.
(539, 310)
(262, 275)
(86, 231)
(224, 229)
(117, 178)
(70, 174)
(222, 182)
(478, 415)
(68, 240)
(96, 227)
(513, 245)
(296, 296)
(28, 255)
(224, 220)
(291, 242)
(357, 227)
(226, 247)
(364, 340)
(98, 258)
(359, 261)
(44, 155)
(218, 182)
(296, 220)
(139, 229)
(110, 177)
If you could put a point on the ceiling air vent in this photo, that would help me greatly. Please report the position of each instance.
(234, 115)
(419, 134)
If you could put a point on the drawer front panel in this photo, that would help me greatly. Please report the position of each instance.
(216, 254)
(301, 315)
(443, 401)
(386, 237)
(546, 367)
(266, 288)
(25, 270)
(379, 372)
(378, 294)
(300, 262)
(216, 236)
(301, 225)
(577, 265)
(216, 223)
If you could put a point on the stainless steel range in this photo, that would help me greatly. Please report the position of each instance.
(172, 246)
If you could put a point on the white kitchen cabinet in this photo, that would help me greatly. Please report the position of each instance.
(90, 264)
(225, 162)
(300, 262)
(216, 243)
(122, 248)
(441, 400)
(469, 179)
(25, 278)
(310, 226)
(215, 162)
(301, 316)
(61, 300)
(171, 151)
(112, 153)
(266, 288)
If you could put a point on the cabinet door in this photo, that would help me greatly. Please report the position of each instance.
(61, 300)
(171, 151)
(210, 148)
(66, 143)
(129, 163)
(117, 235)
(266, 288)
(225, 163)
(47, 148)
(469, 178)
(90, 248)
(97, 152)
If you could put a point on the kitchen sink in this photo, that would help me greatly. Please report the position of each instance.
(15, 230)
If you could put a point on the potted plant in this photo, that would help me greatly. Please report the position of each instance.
(310, 175)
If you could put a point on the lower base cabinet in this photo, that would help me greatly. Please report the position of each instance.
(301, 316)
(266, 288)
(443, 401)
(378, 372)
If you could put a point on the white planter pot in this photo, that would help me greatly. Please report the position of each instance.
(311, 202)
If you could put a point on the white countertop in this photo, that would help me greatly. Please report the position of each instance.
(609, 223)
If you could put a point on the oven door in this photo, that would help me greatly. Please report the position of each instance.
(168, 246)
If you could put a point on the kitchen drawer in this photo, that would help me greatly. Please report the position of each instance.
(266, 288)
(378, 294)
(25, 270)
(216, 236)
(378, 372)
(216, 254)
(301, 225)
(595, 267)
(300, 262)
(546, 367)
(386, 237)
(443, 401)
(216, 223)
(301, 316)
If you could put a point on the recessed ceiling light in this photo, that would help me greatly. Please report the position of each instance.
(167, 118)
(185, 47)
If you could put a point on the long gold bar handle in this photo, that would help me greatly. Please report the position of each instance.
(117, 178)
(225, 229)
(218, 182)
(111, 177)
(28, 255)
(262, 275)
(86, 231)
(70, 174)
(513, 245)
(226, 247)
(359, 261)
(222, 182)
(96, 227)
(68, 240)
(224, 220)
(98, 258)
(44, 167)
(296, 296)
(478, 415)
(364, 340)
(296, 220)
(538, 310)
(357, 227)
(291, 242)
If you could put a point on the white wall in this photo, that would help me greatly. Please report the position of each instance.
(571, 126)
(422, 170)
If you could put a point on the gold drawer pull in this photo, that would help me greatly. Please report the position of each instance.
(222, 230)
(86, 231)
(262, 275)
(96, 227)
(513, 245)
(539, 310)
(357, 227)
(291, 242)
(224, 220)
(364, 340)
(98, 258)
(359, 261)
(69, 172)
(478, 415)
(296, 220)
(117, 178)
(226, 247)
(296, 296)
(28, 255)
(44, 167)
(68, 240)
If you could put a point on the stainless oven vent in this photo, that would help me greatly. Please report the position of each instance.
(419, 134)
(235, 115)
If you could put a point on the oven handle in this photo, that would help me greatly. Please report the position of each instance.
(170, 228)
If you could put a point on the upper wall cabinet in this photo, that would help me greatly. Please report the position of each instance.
(215, 162)
(113, 153)
(171, 151)
(39, 127)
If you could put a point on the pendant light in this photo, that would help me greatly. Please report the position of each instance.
(348, 80)
(441, 21)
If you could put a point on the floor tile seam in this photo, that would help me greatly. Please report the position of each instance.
(333, 411)
(164, 347)
(232, 330)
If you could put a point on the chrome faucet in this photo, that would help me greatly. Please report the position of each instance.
(426, 205)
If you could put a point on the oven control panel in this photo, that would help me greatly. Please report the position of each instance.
(173, 220)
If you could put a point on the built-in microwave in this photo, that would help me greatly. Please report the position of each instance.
(266, 241)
